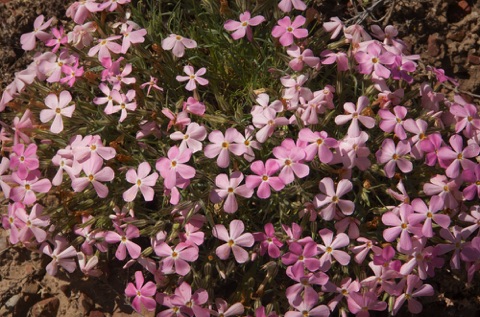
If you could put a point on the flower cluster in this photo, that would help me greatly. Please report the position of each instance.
(250, 166)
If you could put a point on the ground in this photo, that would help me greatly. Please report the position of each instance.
(445, 34)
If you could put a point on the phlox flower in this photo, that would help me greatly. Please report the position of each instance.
(260, 312)
(175, 259)
(329, 249)
(305, 280)
(124, 102)
(263, 103)
(414, 288)
(59, 106)
(179, 120)
(304, 256)
(177, 44)
(11, 222)
(294, 90)
(361, 251)
(116, 75)
(80, 10)
(71, 73)
(267, 121)
(444, 188)
(192, 235)
(291, 163)
(360, 304)
(268, 241)
(191, 138)
(67, 164)
(243, 27)
(32, 224)
(142, 181)
(193, 77)
(194, 106)
(472, 176)
(28, 40)
(419, 128)
(26, 188)
(430, 147)
(250, 143)
(393, 122)
(320, 144)
(440, 75)
(88, 267)
(471, 255)
(89, 148)
(329, 198)
(466, 117)
(430, 99)
(264, 179)
(307, 308)
(227, 189)
(82, 35)
(286, 30)
(350, 223)
(334, 26)
(383, 279)
(94, 174)
(356, 34)
(51, 67)
(394, 156)
(457, 157)
(112, 4)
(92, 237)
(124, 237)
(104, 47)
(428, 214)
(400, 227)
(21, 127)
(62, 255)
(108, 99)
(151, 84)
(132, 37)
(335, 57)
(235, 241)
(347, 287)
(173, 166)
(190, 304)
(388, 36)
(143, 294)
(301, 58)
(59, 38)
(425, 259)
(223, 145)
(373, 60)
(385, 258)
(236, 309)
(286, 5)
(5, 179)
(23, 159)
(355, 115)
(454, 236)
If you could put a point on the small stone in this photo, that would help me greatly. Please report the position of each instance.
(432, 46)
(465, 6)
(12, 301)
(457, 36)
(96, 313)
(31, 288)
(473, 59)
(86, 303)
(46, 308)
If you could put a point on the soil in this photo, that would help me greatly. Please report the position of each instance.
(445, 34)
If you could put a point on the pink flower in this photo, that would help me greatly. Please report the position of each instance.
(23, 160)
(286, 5)
(225, 311)
(28, 39)
(60, 39)
(307, 308)
(193, 77)
(141, 181)
(393, 122)
(124, 237)
(124, 102)
(173, 165)
(190, 304)
(329, 249)
(228, 189)
(88, 267)
(335, 26)
(191, 138)
(243, 27)
(400, 227)
(177, 44)
(300, 58)
(32, 224)
(264, 179)
(291, 162)
(329, 198)
(111, 4)
(320, 145)
(61, 255)
(286, 30)
(94, 174)
(394, 156)
(304, 256)
(132, 37)
(5, 179)
(235, 241)
(143, 293)
(59, 106)
(175, 260)
(335, 57)
(355, 115)
(428, 214)
(466, 116)
(104, 47)
(82, 35)
(71, 72)
(222, 145)
(303, 289)
(26, 189)
(414, 288)
(444, 188)
(472, 176)
(360, 304)
(374, 60)
(268, 241)
(151, 84)
(457, 157)
(267, 122)
(80, 10)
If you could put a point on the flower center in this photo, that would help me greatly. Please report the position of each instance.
(27, 186)
(244, 23)
(178, 38)
(374, 60)
(174, 254)
(123, 239)
(288, 162)
(103, 42)
(429, 215)
(230, 242)
(264, 178)
(335, 199)
(22, 158)
(225, 145)
(91, 177)
(289, 29)
(247, 143)
(186, 136)
(329, 249)
(139, 293)
(139, 182)
(319, 141)
(404, 226)
(93, 147)
(395, 156)
(174, 163)
(459, 156)
(230, 189)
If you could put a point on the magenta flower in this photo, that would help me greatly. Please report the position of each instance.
(329, 249)
(174, 166)
(175, 260)
(142, 181)
(400, 227)
(374, 60)
(235, 241)
(59, 106)
(143, 293)
(264, 179)
(329, 198)
(428, 214)
(268, 241)
(94, 174)
(193, 77)
(71, 73)
(243, 27)
(355, 115)
(62, 255)
(222, 145)
(414, 288)
(393, 122)
(190, 304)
(60, 38)
(320, 145)
(286, 5)
(286, 30)
(360, 304)
(23, 160)
(394, 156)
(304, 256)
(457, 157)
(151, 84)
(124, 237)
(177, 44)
(227, 189)
(28, 40)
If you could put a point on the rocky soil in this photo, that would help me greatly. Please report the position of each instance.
(444, 32)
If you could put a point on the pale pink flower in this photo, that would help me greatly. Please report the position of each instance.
(90, 148)
(415, 288)
(320, 145)
(466, 116)
(394, 156)
(335, 57)
(177, 44)
(80, 10)
(191, 138)
(174, 168)
(190, 304)
(329, 249)
(225, 311)
(23, 160)
(59, 106)
(62, 255)
(82, 35)
(124, 102)
(104, 47)
(175, 259)
(32, 224)
(143, 294)
(267, 121)
(151, 84)
(300, 58)
(428, 214)
(359, 304)
(457, 157)
(26, 188)
(444, 188)
(235, 241)
(132, 37)
(264, 179)
(335, 26)
(194, 106)
(94, 174)
(227, 189)
(88, 267)
(67, 164)
(307, 308)
(108, 99)
(124, 237)
(303, 289)
(142, 181)
(59, 38)
(193, 77)
(222, 145)
(22, 127)
(304, 256)
(373, 60)
(286, 5)
(291, 162)
(329, 198)
(393, 122)
(5, 179)
(400, 226)
(286, 30)
(28, 40)
(112, 6)
(243, 28)
(355, 115)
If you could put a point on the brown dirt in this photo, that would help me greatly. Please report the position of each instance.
(444, 32)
